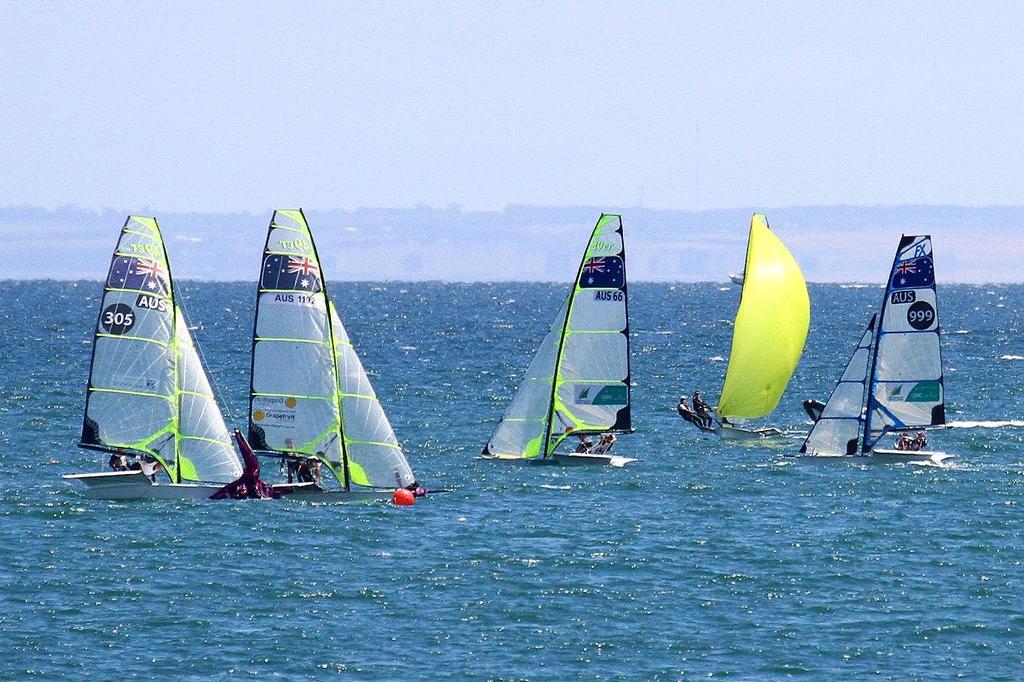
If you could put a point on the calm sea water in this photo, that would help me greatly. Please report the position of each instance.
(707, 559)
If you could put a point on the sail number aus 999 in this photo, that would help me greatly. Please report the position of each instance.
(608, 295)
(921, 315)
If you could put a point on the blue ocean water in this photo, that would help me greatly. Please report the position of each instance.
(707, 559)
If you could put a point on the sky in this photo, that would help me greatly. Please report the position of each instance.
(246, 106)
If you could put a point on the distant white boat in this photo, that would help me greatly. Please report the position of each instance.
(736, 278)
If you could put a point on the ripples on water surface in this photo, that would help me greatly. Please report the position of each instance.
(706, 559)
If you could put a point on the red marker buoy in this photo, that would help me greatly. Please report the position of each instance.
(404, 498)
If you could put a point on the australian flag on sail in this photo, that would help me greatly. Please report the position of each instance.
(605, 272)
(293, 273)
(139, 274)
(913, 273)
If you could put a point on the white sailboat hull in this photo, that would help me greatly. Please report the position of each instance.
(135, 485)
(883, 456)
(582, 459)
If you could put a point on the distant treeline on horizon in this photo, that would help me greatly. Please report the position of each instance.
(840, 244)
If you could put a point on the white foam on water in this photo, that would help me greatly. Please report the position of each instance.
(1011, 357)
(1015, 423)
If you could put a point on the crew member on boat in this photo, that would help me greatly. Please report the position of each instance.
(604, 444)
(584, 445)
(118, 460)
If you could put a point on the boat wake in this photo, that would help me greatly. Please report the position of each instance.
(1010, 423)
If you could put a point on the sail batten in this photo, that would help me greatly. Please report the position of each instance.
(770, 328)
(579, 379)
(309, 394)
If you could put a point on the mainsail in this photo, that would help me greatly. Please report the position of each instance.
(148, 392)
(770, 330)
(837, 430)
(309, 394)
(905, 387)
(578, 382)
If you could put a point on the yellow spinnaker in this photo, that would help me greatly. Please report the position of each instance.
(771, 327)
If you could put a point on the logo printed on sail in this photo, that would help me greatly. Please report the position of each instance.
(118, 318)
(297, 244)
(599, 247)
(139, 274)
(606, 272)
(290, 273)
(922, 392)
(596, 394)
(914, 272)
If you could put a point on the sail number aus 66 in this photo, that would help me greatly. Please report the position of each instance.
(608, 295)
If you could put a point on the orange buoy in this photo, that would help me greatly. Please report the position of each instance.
(404, 498)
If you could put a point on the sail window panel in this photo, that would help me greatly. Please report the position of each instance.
(131, 365)
(292, 315)
(292, 423)
(364, 420)
(378, 466)
(531, 402)
(290, 368)
(908, 357)
(847, 401)
(594, 356)
(126, 419)
(214, 462)
(351, 375)
(133, 314)
(518, 438)
(918, 314)
(598, 309)
(833, 437)
(858, 367)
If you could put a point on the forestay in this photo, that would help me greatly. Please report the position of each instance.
(309, 394)
(579, 380)
(905, 387)
(770, 329)
(148, 392)
(837, 430)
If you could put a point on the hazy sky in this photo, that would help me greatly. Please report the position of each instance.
(248, 106)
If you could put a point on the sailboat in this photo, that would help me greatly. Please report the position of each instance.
(768, 336)
(310, 401)
(893, 382)
(578, 383)
(148, 395)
